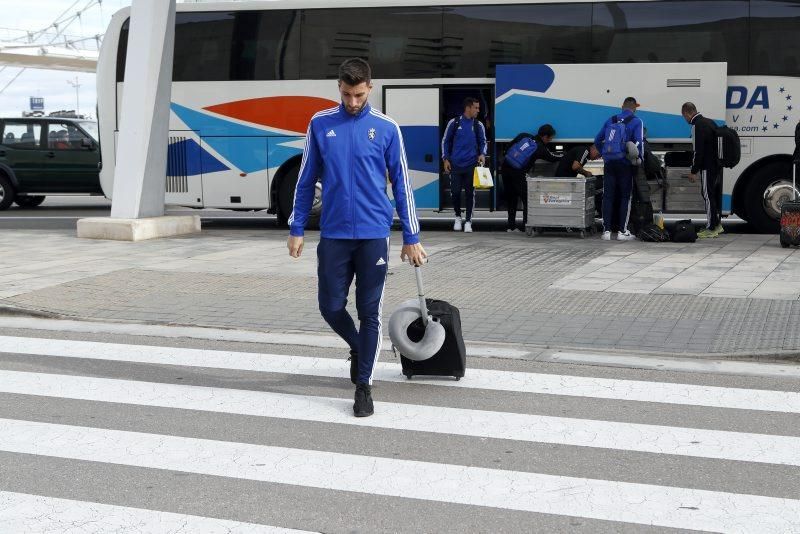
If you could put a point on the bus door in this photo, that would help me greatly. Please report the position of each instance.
(184, 185)
(453, 106)
(416, 110)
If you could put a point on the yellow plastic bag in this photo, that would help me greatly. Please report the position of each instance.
(482, 178)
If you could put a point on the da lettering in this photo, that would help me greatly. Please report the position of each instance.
(738, 97)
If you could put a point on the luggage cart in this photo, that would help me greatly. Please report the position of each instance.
(565, 204)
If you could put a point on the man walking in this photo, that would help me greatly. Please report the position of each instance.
(464, 146)
(618, 169)
(349, 148)
(515, 182)
(705, 163)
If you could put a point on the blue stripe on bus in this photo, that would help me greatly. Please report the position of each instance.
(536, 78)
(576, 120)
(426, 197)
(206, 125)
(279, 153)
(198, 161)
(419, 142)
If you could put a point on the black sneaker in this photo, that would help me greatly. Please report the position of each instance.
(363, 406)
(353, 359)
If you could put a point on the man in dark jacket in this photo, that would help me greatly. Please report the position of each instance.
(796, 156)
(574, 159)
(514, 180)
(705, 164)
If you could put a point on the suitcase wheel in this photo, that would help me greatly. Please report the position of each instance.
(458, 378)
(408, 375)
(784, 245)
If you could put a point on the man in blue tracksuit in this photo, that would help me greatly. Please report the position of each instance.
(464, 146)
(350, 148)
(619, 168)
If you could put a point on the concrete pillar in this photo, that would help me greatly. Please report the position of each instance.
(140, 173)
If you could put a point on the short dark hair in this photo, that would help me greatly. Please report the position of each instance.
(689, 108)
(546, 129)
(630, 103)
(355, 71)
(470, 101)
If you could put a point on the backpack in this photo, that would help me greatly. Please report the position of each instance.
(684, 232)
(653, 234)
(520, 153)
(615, 139)
(457, 125)
(729, 148)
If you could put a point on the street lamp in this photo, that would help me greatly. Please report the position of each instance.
(77, 87)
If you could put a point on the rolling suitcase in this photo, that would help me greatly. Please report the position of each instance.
(790, 217)
(451, 359)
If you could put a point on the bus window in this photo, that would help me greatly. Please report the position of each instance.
(221, 46)
(672, 31)
(476, 38)
(774, 37)
(398, 42)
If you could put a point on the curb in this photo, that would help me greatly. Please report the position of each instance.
(535, 351)
(16, 311)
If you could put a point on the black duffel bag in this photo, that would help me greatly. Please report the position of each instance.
(684, 232)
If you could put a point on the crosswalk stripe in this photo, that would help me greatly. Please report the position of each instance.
(573, 386)
(20, 512)
(533, 492)
(724, 445)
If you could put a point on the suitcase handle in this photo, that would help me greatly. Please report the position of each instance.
(423, 307)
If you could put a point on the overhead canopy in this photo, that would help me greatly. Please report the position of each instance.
(47, 57)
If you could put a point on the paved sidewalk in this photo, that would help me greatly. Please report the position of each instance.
(737, 295)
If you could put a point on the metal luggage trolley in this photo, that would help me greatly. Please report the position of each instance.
(561, 203)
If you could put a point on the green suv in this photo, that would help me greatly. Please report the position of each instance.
(47, 156)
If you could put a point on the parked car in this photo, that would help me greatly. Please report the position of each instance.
(47, 156)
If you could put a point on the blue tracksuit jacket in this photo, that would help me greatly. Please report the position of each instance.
(351, 155)
(635, 130)
(465, 144)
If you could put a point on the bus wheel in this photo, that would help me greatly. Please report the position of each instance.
(286, 198)
(766, 193)
(6, 193)
(25, 201)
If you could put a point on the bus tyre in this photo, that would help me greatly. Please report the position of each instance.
(6, 192)
(286, 198)
(766, 192)
(25, 201)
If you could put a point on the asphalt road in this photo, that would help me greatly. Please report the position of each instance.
(130, 431)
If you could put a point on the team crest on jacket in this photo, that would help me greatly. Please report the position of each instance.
(371, 134)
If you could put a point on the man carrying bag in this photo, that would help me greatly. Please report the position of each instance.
(464, 146)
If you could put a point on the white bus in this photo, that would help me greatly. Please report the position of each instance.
(248, 76)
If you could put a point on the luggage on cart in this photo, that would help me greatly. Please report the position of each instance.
(561, 204)
(790, 216)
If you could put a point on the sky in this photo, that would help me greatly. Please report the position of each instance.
(50, 84)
